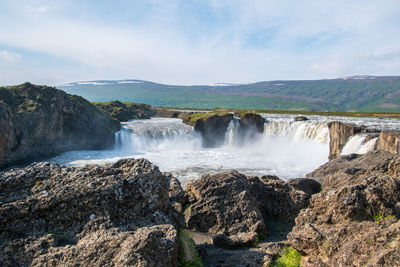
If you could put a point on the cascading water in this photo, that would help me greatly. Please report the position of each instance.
(357, 145)
(286, 148)
(298, 130)
(176, 147)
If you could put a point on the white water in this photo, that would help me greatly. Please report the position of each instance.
(356, 144)
(287, 149)
(175, 147)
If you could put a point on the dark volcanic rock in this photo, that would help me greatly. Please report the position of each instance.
(250, 125)
(111, 215)
(354, 220)
(300, 118)
(127, 111)
(234, 241)
(213, 129)
(276, 199)
(345, 167)
(309, 186)
(235, 207)
(38, 121)
(252, 122)
(223, 203)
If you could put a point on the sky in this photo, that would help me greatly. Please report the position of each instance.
(55, 42)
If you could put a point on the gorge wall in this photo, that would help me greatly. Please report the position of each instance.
(38, 121)
(340, 133)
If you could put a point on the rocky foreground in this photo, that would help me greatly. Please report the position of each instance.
(129, 214)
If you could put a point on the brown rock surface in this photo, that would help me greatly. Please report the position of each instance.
(126, 111)
(389, 141)
(235, 206)
(354, 220)
(339, 133)
(111, 215)
(38, 121)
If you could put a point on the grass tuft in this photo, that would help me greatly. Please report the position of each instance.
(291, 258)
(187, 255)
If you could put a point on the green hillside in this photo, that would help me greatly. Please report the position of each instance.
(358, 93)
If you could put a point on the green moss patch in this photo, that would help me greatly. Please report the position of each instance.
(192, 118)
(291, 258)
(187, 255)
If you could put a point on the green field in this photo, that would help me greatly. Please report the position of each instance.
(358, 94)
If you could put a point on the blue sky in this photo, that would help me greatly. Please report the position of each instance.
(196, 42)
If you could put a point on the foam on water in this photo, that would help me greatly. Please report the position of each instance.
(357, 145)
(287, 148)
(176, 147)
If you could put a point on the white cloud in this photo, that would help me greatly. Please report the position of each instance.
(312, 39)
(9, 56)
(40, 9)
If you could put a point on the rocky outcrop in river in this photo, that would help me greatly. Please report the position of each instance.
(339, 133)
(211, 126)
(251, 125)
(38, 121)
(354, 220)
(114, 215)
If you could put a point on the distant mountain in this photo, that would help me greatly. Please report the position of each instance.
(354, 93)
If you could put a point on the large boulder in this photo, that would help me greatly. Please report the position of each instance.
(38, 121)
(235, 208)
(116, 214)
(250, 125)
(211, 126)
(344, 168)
(126, 111)
(354, 220)
(223, 203)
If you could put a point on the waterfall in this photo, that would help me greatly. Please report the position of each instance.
(157, 128)
(357, 145)
(232, 132)
(295, 130)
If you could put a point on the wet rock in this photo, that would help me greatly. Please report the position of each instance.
(251, 123)
(354, 220)
(212, 126)
(39, 121)
(300, 118)
(116, 214)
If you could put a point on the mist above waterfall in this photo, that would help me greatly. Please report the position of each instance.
(286, 149)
